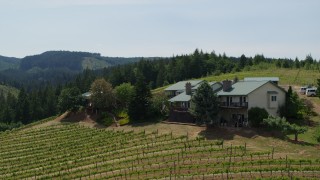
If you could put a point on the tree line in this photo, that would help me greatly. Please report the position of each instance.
(28, 107)
(166, 71)
(39, 101)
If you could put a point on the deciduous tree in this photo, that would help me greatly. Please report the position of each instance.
(102, 94)
(124, 93)
(69, 99)
(283, 125)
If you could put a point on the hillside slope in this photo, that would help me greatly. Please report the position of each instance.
(70, 151)
(8, 63)
(74, 61)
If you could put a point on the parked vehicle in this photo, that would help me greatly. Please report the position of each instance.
(311, 91)
(303, 90)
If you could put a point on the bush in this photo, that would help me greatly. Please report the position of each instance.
(9, 126)
(124, 117)
(124, 121)
(256, 116)
(159, 106)
(105, 119)
(317, 134)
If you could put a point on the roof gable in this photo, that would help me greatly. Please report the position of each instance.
(183, 97)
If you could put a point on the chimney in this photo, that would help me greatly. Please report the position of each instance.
(226, 85)
(188, 88)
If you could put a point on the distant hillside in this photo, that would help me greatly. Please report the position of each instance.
(8, 63)
(74, 61)
(54, 67)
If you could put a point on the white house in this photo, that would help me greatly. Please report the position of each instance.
(236, 99)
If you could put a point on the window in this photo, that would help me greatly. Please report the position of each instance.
(273, 98)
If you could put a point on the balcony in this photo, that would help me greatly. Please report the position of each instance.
(234, 104)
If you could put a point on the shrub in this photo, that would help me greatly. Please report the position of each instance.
(124, 121)
(317, 134)
(159, 106)
(256, 116)
(9, 126)
(124, 117)
(105, 119)
(121, 113)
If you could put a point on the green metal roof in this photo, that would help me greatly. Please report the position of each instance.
(242, 88)
(181, 85)
(261, 79)
(183, 97)
(197, 86)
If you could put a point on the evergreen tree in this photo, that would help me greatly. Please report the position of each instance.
(204, 105)
(140, 103)
(317, 134)
(23, 107)
(161, 74)
(297, 63)
(243, 61)
(36, 106)
(51, 106)
(318, 88)
(294, 106)
(258, 59)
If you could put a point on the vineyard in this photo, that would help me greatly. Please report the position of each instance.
(70, 151)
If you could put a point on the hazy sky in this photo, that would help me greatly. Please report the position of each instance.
(276, 28)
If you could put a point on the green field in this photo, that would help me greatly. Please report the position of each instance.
(70, 151)
(287, 76)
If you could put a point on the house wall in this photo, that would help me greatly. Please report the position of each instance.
(261, 98)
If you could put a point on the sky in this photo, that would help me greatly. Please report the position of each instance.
(131, 28)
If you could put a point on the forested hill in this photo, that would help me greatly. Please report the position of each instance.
(8, 63)
(74, 61)
(53, 67)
